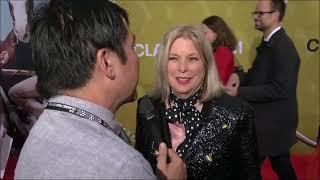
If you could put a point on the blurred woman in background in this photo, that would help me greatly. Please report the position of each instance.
(223, 43)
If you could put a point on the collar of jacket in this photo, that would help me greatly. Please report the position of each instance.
(273, 38)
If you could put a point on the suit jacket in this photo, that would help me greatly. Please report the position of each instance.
(224, 144)
(270, 87)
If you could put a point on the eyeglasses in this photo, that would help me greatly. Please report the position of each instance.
(260, 13)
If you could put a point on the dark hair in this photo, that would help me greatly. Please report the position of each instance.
(225, 35)
(65, 37)
(279, 5)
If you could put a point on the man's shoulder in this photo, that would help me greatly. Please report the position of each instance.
(281, 38)
(124, 159)
(101, 155)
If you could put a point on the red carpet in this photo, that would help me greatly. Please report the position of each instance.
(307, 167)
(12, 162)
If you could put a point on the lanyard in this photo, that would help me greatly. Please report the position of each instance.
(76, 111)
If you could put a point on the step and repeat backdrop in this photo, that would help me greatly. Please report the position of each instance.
(151, 19)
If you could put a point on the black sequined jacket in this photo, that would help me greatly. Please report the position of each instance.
(223, 146)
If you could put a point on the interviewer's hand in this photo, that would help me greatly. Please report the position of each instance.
(174, 169)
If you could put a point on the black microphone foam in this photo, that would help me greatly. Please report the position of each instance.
(152, 123)
(147, 109)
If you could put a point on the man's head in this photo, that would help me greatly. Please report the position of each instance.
(268, 14)
(72, 40)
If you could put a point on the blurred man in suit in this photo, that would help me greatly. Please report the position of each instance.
(270, 87)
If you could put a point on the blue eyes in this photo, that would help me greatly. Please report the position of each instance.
(172, 58)
(193, 59)
(190, 59)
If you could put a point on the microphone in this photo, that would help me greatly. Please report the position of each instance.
(154, 127)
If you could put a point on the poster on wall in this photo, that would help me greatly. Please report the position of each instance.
(20, 104)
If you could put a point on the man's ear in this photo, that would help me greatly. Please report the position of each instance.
(277, 15)
(105, 63)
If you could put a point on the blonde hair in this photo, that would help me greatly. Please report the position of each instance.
(210, 86)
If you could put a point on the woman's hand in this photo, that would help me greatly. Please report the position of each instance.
(232, 85)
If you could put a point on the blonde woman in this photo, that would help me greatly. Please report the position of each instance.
(210, 130)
